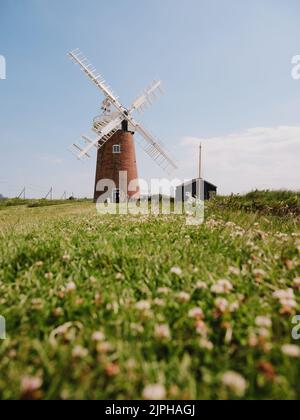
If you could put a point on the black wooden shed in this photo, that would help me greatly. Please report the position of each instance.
(196, 188)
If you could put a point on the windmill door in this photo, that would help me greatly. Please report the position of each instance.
(116, 196)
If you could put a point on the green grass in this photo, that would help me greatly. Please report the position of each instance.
(116, 262)
(280, 203)
(15, 202)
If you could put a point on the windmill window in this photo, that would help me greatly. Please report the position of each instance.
(116, 148)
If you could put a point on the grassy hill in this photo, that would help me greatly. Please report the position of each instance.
(279, 203)
(133, 306)
(15, 202)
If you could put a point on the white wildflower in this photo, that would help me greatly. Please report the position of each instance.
(259, 273)
(222, 304)
(30, 384)
(253, 340)
(230, 224)
(98, 336)
(235, 271)
(286, 298)
(137, 328)
(228, 335)
(201, 328)
(163, 290)
(296, 283)
(79, 352)
(143, 305)
(222, 287)
(71, 287)
(212, 223)
(235, 382)
(289, 303)
(201, 285)
(196, 313)
(104, 347)
(154, 392)
(159, 302)
(162, 331)
(264, 332)
(176, 270)
(284, 294)
(234, 306)
(57, 312)
(39, 264)
(263, 322)
(291, 350)
(205, 344)
(183, 297)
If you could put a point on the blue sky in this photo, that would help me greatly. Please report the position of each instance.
(226, 68)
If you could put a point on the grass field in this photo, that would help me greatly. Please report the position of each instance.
(110, 307)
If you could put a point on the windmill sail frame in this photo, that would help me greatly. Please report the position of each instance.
(105, 131)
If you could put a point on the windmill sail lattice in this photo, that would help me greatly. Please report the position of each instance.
(104, 128)
(147, 97)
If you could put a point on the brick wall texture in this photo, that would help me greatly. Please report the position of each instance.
(109, 164)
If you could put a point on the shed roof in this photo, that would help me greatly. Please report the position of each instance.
(195, 180)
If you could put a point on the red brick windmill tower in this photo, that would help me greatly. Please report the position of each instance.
(113, 138)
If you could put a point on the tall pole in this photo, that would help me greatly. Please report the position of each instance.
(200, 161)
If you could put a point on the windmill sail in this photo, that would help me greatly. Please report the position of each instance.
(97, 79)
(106, 126)
(147, 97)
(103, 136)
(155, 150)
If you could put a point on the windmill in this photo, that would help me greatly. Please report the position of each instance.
(113, 134)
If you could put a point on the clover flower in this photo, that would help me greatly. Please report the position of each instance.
(235, 382)
(176, 270)
(287, 300)
(296, 283)
(98, 336)
(291, 350)
(263, 322)
(183, 297)
(70, 287)
(79, 352)
(201, 285)
(162, 331)
(196, 313)
(30, 385)
(222, 287)
(154, 392)
(222, 304)
(143, 305)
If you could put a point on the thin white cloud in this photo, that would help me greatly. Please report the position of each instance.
(261, 157)
(50, 159)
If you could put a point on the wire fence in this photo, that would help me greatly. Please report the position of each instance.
(34, 191)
